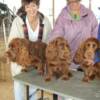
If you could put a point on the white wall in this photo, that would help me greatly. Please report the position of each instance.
(46, 6)
(95, 5)
(46, 9)
(12, 4)
(85, 2)
(59, 5)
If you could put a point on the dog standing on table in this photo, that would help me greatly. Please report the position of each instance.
(27, 54)
(97, 70)
(85, 57)
(58, 58)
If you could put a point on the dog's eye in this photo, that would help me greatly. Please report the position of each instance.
(67, 45)
(94, 46)
(88, 45)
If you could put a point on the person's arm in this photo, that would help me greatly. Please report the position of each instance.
(16, 29)
(58, 29)
(94, 25)
(47, 29)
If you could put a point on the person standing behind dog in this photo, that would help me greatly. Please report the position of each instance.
(97, 58)
(75, 23)
(33, 25)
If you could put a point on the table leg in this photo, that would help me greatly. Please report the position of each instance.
(42, 95)
(27, 92)
(55, 97)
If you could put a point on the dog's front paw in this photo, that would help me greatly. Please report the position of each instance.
(86, 79)
(65, 77)
(47, 78)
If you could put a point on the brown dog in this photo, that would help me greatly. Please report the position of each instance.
(27, 53)
(97, 70)
(58, 57)
(85, 56)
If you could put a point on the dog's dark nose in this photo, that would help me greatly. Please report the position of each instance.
(58, 69)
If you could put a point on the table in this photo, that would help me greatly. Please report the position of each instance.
(73, 88)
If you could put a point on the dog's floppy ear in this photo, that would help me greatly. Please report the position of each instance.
(78, 57)
(51, 51)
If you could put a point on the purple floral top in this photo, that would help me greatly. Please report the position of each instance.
(73, 31)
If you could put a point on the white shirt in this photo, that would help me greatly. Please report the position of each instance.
(33, 35)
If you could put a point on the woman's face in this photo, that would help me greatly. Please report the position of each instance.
(74, 5)
(31, 9)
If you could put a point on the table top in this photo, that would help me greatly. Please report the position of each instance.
(73, 88)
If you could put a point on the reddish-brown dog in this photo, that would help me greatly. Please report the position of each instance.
(85, 57)
(97, 70)
(27, 53)
(58, 57)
